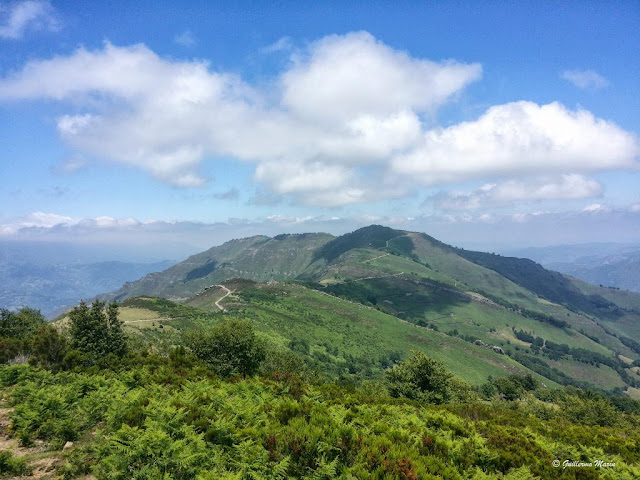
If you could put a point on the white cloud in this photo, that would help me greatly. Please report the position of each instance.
(345, 122)
(585, 79)
(520, 138)
(17, 18)
(355, 75)
(186, 39)
(165, 116)
(45, 220)
(569, 186)
(48, 221)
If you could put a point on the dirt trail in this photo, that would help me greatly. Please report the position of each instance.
(375, 258)
(228, 292)
(42, 462)
(378, 276)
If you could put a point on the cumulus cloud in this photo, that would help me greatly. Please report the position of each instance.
(570, 186)
(520, 138)
(345, 122)
(17, 18)
(165, 116)
(585, 79)
(355, 76)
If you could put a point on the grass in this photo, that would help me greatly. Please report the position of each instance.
(344, 331)
(602, 377)
(343, 336)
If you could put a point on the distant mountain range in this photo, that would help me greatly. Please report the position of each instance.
(52, 287)
(479, 313)
(605, 264)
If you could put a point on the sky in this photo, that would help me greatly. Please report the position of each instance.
(170, 127)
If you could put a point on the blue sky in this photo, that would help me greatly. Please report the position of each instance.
(194, 122)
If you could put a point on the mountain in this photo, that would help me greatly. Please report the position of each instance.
(258, 258)
(51, 287)
(609, 265)
(377, 293)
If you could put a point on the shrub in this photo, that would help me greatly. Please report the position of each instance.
(421, 378)
(229, 348)
(10, 465)
(48, 347)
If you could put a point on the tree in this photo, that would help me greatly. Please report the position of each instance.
(48, 347)
(17, 329)
(97, 330)
(20, 325)
(229, 348)
(420, 378)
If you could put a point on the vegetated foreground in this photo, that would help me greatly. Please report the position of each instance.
(224, 402)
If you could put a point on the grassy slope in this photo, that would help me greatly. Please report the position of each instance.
(437, 305)
(427, 280)
(285, 311)
(628, 324)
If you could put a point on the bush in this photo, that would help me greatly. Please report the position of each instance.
(10, 465)
(48, 347)
(229, 348)
(421, 378)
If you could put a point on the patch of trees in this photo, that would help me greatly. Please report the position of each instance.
(632, 344)
(510, 388)
(25, 335)
(557, 351)
(543, 368)
(201, 271)
(528, 337)
(258, 295)
(97, 331)
(375, 236)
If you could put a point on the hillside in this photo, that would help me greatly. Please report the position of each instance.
(462, 304)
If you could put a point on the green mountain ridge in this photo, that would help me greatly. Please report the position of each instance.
(482, 304)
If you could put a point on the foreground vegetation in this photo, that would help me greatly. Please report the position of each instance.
(229, 404)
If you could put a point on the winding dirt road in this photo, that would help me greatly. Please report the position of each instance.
(228, 292)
